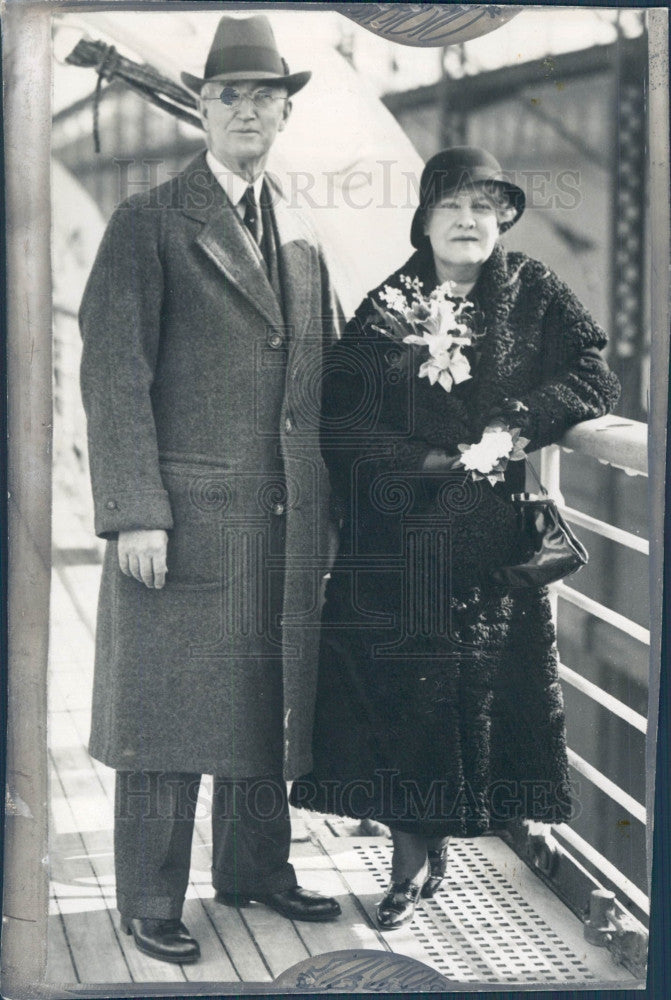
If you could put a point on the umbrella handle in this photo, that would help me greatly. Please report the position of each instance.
(143, 79)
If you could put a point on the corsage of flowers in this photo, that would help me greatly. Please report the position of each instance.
(435, 322)
(488, 459)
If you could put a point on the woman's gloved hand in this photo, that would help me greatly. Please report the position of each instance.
(509, 412)
(437, 460)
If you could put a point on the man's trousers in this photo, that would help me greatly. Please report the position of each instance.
(153, 831)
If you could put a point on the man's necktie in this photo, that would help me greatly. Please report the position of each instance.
(251, 216)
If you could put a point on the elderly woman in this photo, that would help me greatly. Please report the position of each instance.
(439, 710)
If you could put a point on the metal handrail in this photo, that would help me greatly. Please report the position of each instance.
(622, 444)
(612, 704)
(612, 440)
(604, 784)
(603, 865)
(606, 530)
(607, 615)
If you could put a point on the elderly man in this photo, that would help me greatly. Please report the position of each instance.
(204, 321)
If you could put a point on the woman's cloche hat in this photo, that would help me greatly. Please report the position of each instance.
(453, 168)
(245, 49)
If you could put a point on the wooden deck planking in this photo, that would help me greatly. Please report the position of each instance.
(214, 964)
(353, 929)
(79, 584)
(276, 936)
(87, 920)
(75, 691)
(88, 926)
(315, 871)
(88, 806)
(60, 967)
(95, 947)
(245, 954)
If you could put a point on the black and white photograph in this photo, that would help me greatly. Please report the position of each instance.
(348, 544)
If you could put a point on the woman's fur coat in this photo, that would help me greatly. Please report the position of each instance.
(439, 708)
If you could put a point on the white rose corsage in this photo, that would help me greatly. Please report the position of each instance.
(488, 459)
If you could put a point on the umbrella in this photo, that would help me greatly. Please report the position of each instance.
(145, 80)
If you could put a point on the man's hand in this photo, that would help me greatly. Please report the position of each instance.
(142, 554)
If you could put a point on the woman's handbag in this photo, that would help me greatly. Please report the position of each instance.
(555, 550)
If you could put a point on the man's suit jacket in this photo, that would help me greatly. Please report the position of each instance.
(202, 397)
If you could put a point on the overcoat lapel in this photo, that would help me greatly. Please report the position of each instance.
(223, 240)
(296, 265)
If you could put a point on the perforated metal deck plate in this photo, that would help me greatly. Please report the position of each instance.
(492, 922)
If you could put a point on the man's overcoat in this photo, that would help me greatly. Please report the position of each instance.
(202, 393)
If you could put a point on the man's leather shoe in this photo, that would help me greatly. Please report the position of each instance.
(294, 903)
(397, 906)
(167, 940)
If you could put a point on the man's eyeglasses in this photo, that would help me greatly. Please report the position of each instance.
(261, 99)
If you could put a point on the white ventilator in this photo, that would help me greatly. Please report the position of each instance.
(343, 159)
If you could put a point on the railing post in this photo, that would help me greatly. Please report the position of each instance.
(658, 119)
(550, 471)
(550, 474)
(27, 38)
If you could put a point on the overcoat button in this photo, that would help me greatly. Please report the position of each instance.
(288, 426)
(275, 340)
(111, 505)
(278, 509)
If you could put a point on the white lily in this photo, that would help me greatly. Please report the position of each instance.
(438, 343)
(460, 368)
(441, 318)
(447, 369)
(435, 373)
(434, 322)
(432, 371)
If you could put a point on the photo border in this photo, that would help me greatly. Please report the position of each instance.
(27, 80)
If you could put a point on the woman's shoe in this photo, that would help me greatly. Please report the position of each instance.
(397, 906)
(437, 871)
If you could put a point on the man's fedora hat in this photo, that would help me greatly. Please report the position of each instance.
(457, 167)
(245, 49)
